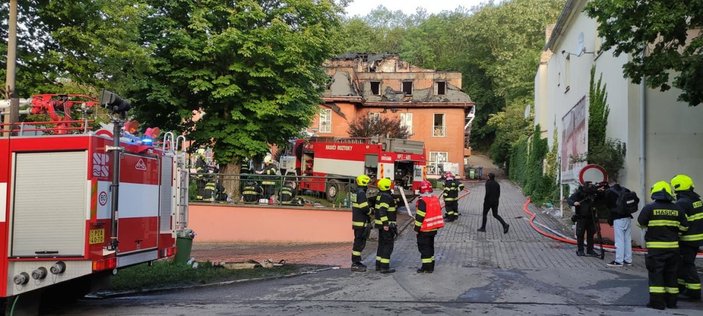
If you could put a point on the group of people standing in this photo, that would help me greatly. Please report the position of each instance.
(428, 218)
(674, 233)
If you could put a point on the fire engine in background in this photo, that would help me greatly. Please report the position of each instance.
(59, 222)
(327, 164)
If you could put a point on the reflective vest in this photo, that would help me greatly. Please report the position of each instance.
(428, 214)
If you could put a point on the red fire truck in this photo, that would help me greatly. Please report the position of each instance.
(58, 224)
(327, 164)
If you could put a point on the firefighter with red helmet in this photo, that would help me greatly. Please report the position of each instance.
(451, 196)
(428, 219)
(385, 221)
(664, 221)
(691, 239)
(361, 221)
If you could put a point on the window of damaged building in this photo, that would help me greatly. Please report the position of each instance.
(325, 121)
(441, 87)
(376, 87)
(407, 87)
(439, 129)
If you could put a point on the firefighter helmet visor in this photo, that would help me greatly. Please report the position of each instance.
(661, 186)
(363, 180)
(384, 184)
(425, 187)
(681, 182)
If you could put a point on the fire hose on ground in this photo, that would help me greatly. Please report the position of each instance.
(560, 237)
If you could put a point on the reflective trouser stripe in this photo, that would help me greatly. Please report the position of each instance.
(359, 224)
(449, 199)
(696, 237)
(672, 290)
(426, 260)
(356, 253)
(657, 289)
(662, 244)
(378, 258)
(693, 286)
(384, 260)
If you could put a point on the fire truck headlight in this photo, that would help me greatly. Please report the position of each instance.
(21, 279)
(58, 267)
(39, 273)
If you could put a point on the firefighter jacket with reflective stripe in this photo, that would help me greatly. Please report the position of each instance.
(286, 195)
(691, 203)
(270, 172)
(451, 190)
(385, 209)
(361, 212)
(664, 220)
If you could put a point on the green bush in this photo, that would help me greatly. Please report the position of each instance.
(526, 164)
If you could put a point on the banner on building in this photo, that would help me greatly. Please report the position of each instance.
(574, 141)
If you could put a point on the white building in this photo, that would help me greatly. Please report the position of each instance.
(663, 137)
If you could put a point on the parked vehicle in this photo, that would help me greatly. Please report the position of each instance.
(58, 223)
(327, 164)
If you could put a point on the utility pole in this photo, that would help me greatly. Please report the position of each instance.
(11, 114)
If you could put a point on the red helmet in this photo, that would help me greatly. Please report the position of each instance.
(425, 187)
(448, 175)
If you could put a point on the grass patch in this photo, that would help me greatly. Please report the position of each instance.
(163, 274)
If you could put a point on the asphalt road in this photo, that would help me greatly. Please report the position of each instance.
(519, 273)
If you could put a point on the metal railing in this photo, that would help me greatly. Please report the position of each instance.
(266, 190)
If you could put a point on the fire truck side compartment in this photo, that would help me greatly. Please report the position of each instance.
(49, 206)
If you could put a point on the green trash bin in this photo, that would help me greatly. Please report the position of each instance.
(472, 173)
(184, 243)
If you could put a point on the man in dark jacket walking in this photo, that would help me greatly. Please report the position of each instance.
(490, 202)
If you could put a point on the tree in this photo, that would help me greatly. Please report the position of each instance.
(510, 125)
(367, 126)
(94, 44)
(253, 67)
(667, 32)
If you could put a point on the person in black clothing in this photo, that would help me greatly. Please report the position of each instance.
(582, 200)
(664, 221)
(622, 227)
(690, 202)
(361, 221)
(385, 221)
(490, 202)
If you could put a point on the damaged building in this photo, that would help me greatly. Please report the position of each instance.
(429, 103)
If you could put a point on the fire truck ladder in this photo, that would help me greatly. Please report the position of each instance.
(180, 180)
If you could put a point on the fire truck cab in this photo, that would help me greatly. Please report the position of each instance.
(326, 165)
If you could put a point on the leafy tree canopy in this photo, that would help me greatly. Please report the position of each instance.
(669, 34)
(367, 126)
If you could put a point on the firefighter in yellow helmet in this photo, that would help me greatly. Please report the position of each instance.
(361, 221)
(386, 223)
(691, 239)
(664, 221)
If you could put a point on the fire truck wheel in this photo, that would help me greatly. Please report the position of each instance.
(333, 187)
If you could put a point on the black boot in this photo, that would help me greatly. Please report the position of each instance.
(671, 300)
(358, 267)
(656, 301)
(505, 228)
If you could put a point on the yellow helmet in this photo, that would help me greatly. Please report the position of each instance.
(363, 180)
(659, 186)
(681, 182)
(384, 184)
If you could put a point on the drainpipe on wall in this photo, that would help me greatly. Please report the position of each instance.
(643, 141)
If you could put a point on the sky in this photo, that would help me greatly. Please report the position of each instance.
(362, 7)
